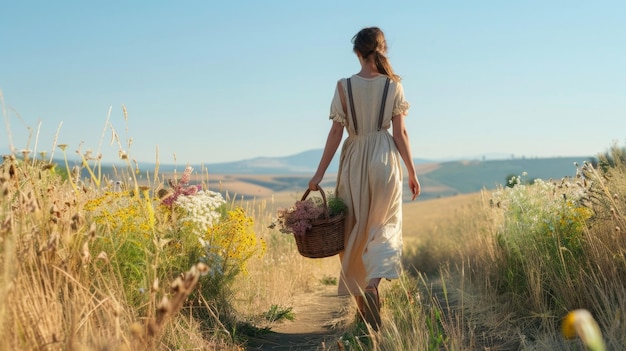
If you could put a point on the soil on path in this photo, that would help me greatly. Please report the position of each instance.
(320, 319)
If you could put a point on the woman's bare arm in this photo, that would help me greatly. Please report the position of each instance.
(401, 138)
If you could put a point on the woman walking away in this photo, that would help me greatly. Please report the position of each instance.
(370, 176)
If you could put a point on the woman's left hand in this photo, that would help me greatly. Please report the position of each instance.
(415, 187)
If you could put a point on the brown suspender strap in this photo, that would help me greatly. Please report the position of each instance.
(342, 97)
(382, 105)
(352, 106)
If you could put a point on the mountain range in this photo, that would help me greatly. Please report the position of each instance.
(302, 163)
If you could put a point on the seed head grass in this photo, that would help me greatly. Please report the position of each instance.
(89, 263)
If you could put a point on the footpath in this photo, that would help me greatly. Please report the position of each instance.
(320, 318)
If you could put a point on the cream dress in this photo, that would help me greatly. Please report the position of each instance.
(370, 182)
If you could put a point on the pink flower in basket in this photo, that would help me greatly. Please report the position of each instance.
(297, 219)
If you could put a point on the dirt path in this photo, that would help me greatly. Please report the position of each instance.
(320, 317)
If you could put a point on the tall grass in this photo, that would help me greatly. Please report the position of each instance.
(527, 255)
(88, 264)
(73, 281)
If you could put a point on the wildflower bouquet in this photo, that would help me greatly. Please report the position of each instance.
(318, 227)
(299, 218)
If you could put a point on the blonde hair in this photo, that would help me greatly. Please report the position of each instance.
(371, 41)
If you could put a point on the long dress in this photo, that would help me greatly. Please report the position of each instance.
(370, 182)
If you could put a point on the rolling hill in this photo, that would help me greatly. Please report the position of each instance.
(462, 177)
(266, 176)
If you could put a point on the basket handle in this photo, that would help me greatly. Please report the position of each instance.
(319, 188)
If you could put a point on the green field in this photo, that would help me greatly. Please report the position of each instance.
(453, 178)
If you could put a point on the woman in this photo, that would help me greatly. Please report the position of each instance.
(370, 177)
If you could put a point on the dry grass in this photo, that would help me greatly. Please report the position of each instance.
(484, 313)
(424, 219)
(56, 294)
(282, 273)
(49, 299)
(441, 232)
(59, 295)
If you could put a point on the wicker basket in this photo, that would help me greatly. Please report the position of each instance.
(326, 236)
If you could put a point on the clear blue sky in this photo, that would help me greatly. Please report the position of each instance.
(216, 81)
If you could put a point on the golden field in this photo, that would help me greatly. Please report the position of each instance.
(84, 267)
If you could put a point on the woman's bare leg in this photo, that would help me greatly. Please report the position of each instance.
(371, 304)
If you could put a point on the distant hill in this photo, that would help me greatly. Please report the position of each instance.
(301, 163)
(260, 176)
(438, 179)
(461, 177)
(304, 162)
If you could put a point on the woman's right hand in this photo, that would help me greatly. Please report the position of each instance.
(314, 183)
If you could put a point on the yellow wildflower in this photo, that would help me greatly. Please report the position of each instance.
(580, 322)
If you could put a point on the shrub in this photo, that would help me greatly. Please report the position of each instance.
(543, 224)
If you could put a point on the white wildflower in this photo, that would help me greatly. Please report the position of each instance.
(200, 210)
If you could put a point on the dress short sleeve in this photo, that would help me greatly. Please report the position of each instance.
(400, 105)
(336, 109)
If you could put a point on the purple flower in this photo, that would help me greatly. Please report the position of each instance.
(181, 188)
(299, 218)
